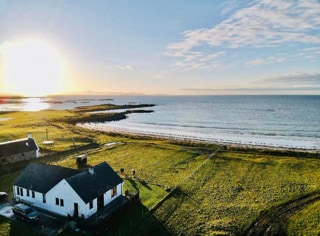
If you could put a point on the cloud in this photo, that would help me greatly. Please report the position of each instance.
(268, 60)
(260, 24)
(125, 68)
(265, 23)
(256, 62)
(303, 83)
(231, 5)
(252, 90)
(294, 80)
(312, 53)
(197, 60)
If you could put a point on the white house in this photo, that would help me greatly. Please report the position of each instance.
(68, 192)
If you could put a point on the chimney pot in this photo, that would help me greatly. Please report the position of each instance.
(91, 170)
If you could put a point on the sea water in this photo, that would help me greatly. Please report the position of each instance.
(274, 121)
(278, 121)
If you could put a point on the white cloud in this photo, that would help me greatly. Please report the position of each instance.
(268, 60)
(260, 24)
(295, 83)
(256, 62)
(296, 79)
(231, 5)
(197, 60)
(310, 53)
(125, 68)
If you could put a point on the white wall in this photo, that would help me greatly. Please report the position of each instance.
(107, 195)
(36, 201)
(64, 191)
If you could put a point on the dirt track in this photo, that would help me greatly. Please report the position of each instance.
(275, 220)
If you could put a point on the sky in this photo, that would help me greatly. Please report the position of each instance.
(160, 47)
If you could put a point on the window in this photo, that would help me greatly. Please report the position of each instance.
(21, 191)
(90, 204)
(44, 198)
(33, 194)
(18, 191)
(59, 202)
(114, 191)
(28, 194)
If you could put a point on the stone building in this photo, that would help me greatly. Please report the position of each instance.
(18, 150)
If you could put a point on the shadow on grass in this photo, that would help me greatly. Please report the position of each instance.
(144, 184)
(18, 230)
(136, 221)
(133, 184)
(274, 221)
(11, 228)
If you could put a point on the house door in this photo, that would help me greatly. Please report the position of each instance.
(76, 210)
(100, 201)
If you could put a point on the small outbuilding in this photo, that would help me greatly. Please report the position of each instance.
(81, 160)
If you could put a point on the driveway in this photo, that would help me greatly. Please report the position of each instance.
(6, 210)
(47, 225)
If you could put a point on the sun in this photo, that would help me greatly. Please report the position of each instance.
(31, 68)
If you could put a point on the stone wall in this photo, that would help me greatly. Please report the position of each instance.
(18, 157)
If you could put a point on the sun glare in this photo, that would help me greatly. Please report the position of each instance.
(31, 68)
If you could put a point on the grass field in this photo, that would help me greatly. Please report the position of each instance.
(217, 194)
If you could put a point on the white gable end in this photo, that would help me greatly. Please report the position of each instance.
(61, 199)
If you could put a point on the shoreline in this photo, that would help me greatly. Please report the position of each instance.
(185, 138)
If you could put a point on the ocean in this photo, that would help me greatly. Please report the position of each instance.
(273, 121)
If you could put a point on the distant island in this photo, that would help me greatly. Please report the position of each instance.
(91, 113)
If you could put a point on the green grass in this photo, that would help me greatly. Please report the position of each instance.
(222, 195)
(306, 222)
(227, 193)
(6, 183)
(150, 194)
(156, 163)
(4, 227)
(37, 123)
(8, 228)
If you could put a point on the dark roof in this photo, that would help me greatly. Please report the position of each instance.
(90, 186)
(17, 146)
(42, 177)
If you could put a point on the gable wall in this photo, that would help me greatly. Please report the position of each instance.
(65, 192)
(108, 195)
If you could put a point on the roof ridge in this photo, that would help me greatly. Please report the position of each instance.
(54, 166)
(89, 186)
(14, 141)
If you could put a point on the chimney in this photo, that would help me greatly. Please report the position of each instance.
(91, 171)
(29, 135)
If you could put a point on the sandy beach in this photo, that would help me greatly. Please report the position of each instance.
(244, 142)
